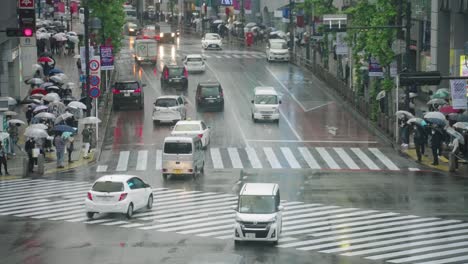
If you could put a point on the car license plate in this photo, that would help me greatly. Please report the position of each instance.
(266, 117)
(126, 94)
(250, 235)
(177, 171)
(211, 101)
(176, 80)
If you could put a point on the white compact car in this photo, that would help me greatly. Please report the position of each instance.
(212, 41)
(118, 194)
(169, 109)
(192, 128)
(194, 63)
(258, 213)
(277, 50)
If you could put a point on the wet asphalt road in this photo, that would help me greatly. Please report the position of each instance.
(376, 202)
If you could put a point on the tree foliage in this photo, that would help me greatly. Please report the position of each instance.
(112, 16)
(317, 7)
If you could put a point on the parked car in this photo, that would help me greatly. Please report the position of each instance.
(174, 75)
(192, 128)
(212, 41)
(169, 108)
(128, 92)
(194, 63)
(209, 95)
(118, 194)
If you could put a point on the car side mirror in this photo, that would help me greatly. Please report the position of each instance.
(252, 101)
(280, 208)
(234, 207)
(147, 185)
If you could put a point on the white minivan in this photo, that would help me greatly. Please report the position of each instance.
(258, 213)
(277, 49)
(265, 104)
(182, 156)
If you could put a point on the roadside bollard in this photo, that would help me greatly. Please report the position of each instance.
(40, 164)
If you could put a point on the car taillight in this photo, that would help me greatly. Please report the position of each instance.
(158, 38)
(164, 170)
(137, 90)
(166, 74)
(115, 91)
(200, 135)
(90, 196)
(185, 73)
(190, 170)
(221, 94)
(122, 196)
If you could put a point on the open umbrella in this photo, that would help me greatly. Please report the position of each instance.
(441, 90)
(55, 71)
(64, 128)
(46, 84)
(35, 133)
(4, 135)
(11, 100)
(40, 108)
(66, 135)
(76, 104)
(10, 113)
(45, 115)
(46, 59)
(16, 121)
(35, 81)
(448, 109)
(437, 121)
(437, 101)
(412, 95)
(36, 96)
(437, 115)
(90, 120)
(39, 90)
(51, 97)
(381, 95)
(402, 113)
(39, 126)
(417, 121)
(52, 88)
(74, 39)
(452, 132)
(440, 94)
(70, 85)
(63, 117)
(57, 79)
(461, 125)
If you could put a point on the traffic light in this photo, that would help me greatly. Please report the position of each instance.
(27, 22)
(420, 78)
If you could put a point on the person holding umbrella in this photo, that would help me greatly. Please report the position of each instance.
(3, 159)
(29, 146)
(436, 144)
(420, 139)
(59, 144)
(14, 134)
(29, 114)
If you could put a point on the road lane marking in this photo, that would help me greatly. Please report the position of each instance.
(158, 160)
(271, 157)
(142, 160)
(311, 162)
(327, 158)
(235, 159)
(287, 153)
(386, 161)
(413, 169)
(81, 211)
(115, 223)
(101, 168)
(189, 194)
(346, 158)
(312, 141)
(39, 189)
(364, 158)
(431, 255)
(253, 158)
(290, 125)
(206, 229)
(216, 158)
(447, 260)
(123, 161)
(69, 217)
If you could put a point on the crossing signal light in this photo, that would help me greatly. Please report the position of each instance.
(27, 32)
(19, 32)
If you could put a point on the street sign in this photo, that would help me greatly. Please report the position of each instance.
(26, 4)
(107, 58)
(94, 80)
(94, 92)
(94, 65)
(27, 41)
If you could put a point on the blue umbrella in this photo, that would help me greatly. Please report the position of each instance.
(55, 71)
(64, 128)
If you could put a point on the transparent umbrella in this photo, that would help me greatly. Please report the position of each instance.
(90, 120)
(35, 81)
(16, 121)
(39, 126)
(11, 100)
(452, 132)
(461, 125)
(10, 113)
(35, 133)
(403, 113)
(76, 104)
(51, 97)
(435, 115)
(45, 115)
(63, 117)
(4, 135)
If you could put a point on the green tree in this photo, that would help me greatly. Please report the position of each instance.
(112, 16)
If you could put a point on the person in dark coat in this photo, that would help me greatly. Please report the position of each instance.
(29, 114)
(3, 159)
(404, 130)
(28, 147)
(436, 144)
(419, 138)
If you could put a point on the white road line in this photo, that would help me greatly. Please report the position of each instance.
(346, 158)
(312, 141)
(236, 56)
(309, 158)
(158, 160)
(447, 260)
(49, 216)
(115, 223)
(227, 56)
(61, 209)
(132, 225)
(35, 204)
(230, 229)
(196, 220)
(79, 215)
(209, 223)
(101, 168)
(290, 125)
(14, 197)
(287, 153)
(235, 159)
(327, 158)
(431, 255)
(167, 215)
(253, 158)
(192, 199)
(40, 189)
(218, 57)
(98, 221)
(142, 160)
(319, 213)
(79, 219)
(196, 215)
(207, 56)
(413, 169)
(271, 157)
(216, 158)
(364, 158)
(183, 195)
(386, 161)
(192, 203)
(206, 229)
(123, 161)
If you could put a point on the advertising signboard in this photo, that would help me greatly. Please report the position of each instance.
(107, 58)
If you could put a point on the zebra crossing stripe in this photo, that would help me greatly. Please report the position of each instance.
(309, 158)
(101, 168)
(287, 153)
(206, 223)
(218, 57)
(123, 161)
(217, 233)
(68, 217)
(67, 213)
(169, 215)
(216, 158)
(447, 260)
(207, 229)
(142, 160)
(5, 185)
(35, 204)
(346, 158)
(115, 223)
(235, 159)
(327, 158)
(207, 56)
(369, 163)
(253, 158)
(430, 255)
(158, 160)
(170, 196)
(271, 157)
(386, 161)
(42, 188)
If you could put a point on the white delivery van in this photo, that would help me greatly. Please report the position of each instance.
(277, 49)
(258, 213)
(146, 50)
(265, 104)
(182, 156)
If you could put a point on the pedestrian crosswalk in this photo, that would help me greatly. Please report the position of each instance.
(371, 234)
(319, 158)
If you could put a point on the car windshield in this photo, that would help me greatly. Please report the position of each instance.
(194, 59)
(108, 186)
(126, 86)
(210, 91)
(266, 99)
(166, 102)
(187, 127)
(176, 71)
(278, 45)
(177, 148)
(211, 37)
(131, 13)
(257, 204)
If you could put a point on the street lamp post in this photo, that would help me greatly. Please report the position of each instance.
(291, 24)
(86, 44)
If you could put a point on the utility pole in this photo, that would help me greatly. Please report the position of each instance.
(291, 24)
(408, 65)
(84, 92)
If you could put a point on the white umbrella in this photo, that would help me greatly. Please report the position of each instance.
(39, 126)
(36, 96)
(63, 117)
(11, 100)
(36, 67)
(10, 113)
(70, 85)
(436, 115)
(35, 81)
(40, 108)
(56, 78)
(73, 39)
(402, 113)
(51, 97)
(217, 21)
(381, 95)
(77, 56)
(4, 135)
(59, 36)
(72, 33)
(35, 133)
(42, 35)
(412, 95)
(45, 115)
(76, 104)
(16, 121)
(90, 120)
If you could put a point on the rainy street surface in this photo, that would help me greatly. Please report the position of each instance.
(348, 196)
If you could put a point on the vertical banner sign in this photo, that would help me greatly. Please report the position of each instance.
(464, 69)
(26, 4)
(248, 6)
(236, 5)
(107, 58)
(375, 70)
(458, 91)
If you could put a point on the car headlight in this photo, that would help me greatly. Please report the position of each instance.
(161, 35)
(238, 219)
(131, 29)
(172, 34)
(273, 220)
